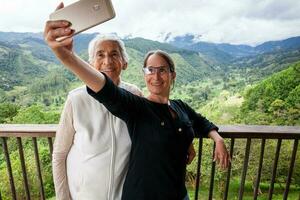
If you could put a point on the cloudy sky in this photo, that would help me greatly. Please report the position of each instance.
(230, 21)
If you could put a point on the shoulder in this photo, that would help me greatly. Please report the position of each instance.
(182, 105)
(179, 102)
(78, 92)
(80, 95)
(131, 88)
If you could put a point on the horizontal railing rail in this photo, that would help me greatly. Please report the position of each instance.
(227, 131)
(230, 132)
(250, 132)
(21, 131)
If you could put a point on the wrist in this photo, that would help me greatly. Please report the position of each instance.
(213, 134)
(219, 140)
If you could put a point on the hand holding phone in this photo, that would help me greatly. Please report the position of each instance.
(85, 14)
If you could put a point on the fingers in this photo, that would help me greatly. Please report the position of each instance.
(222, 157)
(190, 159)
(61, 5)
(56, 24)
(55, 31)
(65, 42)
(224, 161)
(58, 35)
(56, 28)
(228, 160)
(191, 154)
(220, 160)
(53, 34)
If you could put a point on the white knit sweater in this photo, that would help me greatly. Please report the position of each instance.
(91, 149)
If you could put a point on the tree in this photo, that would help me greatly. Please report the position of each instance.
(3, 97)
(36, 115)
(8, 111)
(275, 100)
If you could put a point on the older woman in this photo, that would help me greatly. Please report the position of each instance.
(160, 129)
(91, 148)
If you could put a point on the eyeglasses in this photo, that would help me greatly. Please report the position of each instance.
(153, 70)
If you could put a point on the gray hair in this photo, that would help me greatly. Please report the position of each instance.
(101, 38)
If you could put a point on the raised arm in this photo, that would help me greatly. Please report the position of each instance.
(64, 52)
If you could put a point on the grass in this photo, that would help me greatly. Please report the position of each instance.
(233, 195)
(294, 192)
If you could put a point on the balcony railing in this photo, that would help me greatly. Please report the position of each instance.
(251, 134)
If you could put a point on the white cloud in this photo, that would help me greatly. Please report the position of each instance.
(233, 21)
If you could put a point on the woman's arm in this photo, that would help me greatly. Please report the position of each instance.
(62, 144)
(221, 155)
(204, 127)
(64, 52)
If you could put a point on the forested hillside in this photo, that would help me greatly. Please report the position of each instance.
(275, 100)
(229, 84)
(30, 74)
(15, 64)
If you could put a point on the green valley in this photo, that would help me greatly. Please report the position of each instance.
(229, 84)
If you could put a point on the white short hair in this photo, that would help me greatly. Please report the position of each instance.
(100, 38)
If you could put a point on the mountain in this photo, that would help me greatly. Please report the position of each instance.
(82, 41)
(37, 47)
(30, 73)
(275, 99)
(210, 50)
(226, 53)
(25, 57)
(268, 60)
(189, 64)
(282, 45)
(19, 66)
(263, 65)
(16, 36)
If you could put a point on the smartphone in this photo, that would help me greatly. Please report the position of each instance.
(85, 14)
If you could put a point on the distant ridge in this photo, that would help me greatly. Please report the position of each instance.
(226, 52)
(27, 56)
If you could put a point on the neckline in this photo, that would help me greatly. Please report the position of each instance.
(162, 104)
